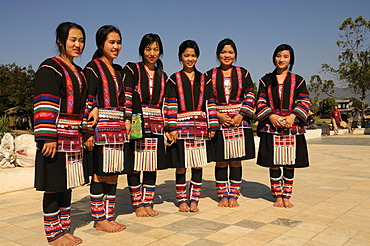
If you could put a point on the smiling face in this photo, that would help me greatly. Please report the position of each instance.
(189, 59)
(282, 59)
(151, 53)
(74, 44)
(227, 56)
(112, 46)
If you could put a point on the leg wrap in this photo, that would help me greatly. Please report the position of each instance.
(181, 195)
(222, 188)
(276, 188)
(110, 191)
(235, 189)
(109, 206)
(53, 227)
(148, 195)
(287, 188)
(194, 190)
(221, 173)
(97, 201)
(65, 218)
(136, 196)
(276, 182)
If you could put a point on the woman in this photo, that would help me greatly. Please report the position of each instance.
(109, 153)
(282, 109)
(144, 91)
(185, 110)
(59, 105)
(234, 93)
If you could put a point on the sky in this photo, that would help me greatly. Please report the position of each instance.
(311, 27)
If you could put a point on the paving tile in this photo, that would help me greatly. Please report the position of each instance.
(320, 217)
(286, 222)
(330, 239)
(195, 227)
(250, 224)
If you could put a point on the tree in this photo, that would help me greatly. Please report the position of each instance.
(354, 60)
(327, 105)
(16, 87)
(319, 86)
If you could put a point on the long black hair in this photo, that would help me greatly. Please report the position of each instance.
(284, 47)
(62, 32)
(101, 37)
(147, 40)
(223, 43)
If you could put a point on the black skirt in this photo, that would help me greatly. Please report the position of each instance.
(266, 152)
(216, 147)
(94, 160)
(50, 173)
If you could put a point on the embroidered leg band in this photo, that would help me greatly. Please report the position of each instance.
(222, 188)
(287, 188)
(194, 190)
(97, 201)
(52, 226)
(65, 210)
(135, 188)
(181, 195)
(110, 190)
(276, 183)
(148, 195)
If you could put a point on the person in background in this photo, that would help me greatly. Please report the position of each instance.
(336, 118)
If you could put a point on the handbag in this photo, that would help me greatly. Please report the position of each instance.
(136, 127)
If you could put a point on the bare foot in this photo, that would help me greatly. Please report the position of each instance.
(287, 203)
(233, 203)
(151, 211)
(118, 224)
(73, 238)
(106, 226)
(63, 241)
(279, 202)
(183, 207)
(194, 207)
(224, 203)
(141, 212)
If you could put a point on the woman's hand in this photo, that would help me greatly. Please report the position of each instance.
(49, 149)
(289, 120)
(276, 120)
(94, 114)
(128, 127)
(172, 137)
(211, 134)
(89, 141)
(224, 119)
(237, 119)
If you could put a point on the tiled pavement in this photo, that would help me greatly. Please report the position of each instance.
(331, 197)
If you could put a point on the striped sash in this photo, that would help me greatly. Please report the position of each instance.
(284, 149)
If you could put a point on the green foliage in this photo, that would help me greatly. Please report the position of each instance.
(326, 105)
(4, 124)
(317, 87)
(16, 87)
(354, 59)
